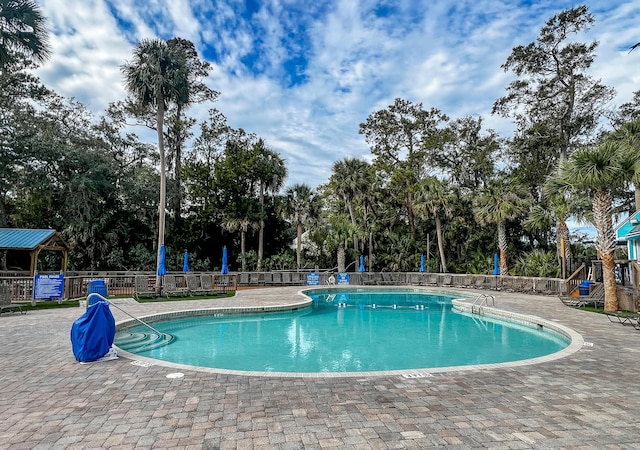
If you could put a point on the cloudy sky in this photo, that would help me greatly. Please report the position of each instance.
(303, 74)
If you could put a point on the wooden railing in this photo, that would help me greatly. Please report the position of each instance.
(118, 284)
(574, 280)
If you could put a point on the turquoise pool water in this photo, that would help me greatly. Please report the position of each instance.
(354, 330)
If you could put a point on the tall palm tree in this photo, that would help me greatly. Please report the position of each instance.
(300, 208)
(157, 76)
(556, 211)
(23, 31)
(600, 172)
(350, 180)
(433, 199)
(500, 202)
(271, 171)
(244, 221)
(339, 233)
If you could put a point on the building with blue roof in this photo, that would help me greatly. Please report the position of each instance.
(34, 241)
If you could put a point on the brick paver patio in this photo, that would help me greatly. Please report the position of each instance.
(590, 399)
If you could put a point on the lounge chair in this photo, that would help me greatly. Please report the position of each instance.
(624, 317)
(143, 288)
(206, 284)
(170, 286)
(5, 301)
(276, 278)
(193, 285)
(595, 298)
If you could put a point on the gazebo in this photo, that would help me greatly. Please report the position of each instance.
(34, 241)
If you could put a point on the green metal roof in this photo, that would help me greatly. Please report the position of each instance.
(23, 239)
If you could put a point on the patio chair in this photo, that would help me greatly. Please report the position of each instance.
(624, 317)
(143, 289)
(193, 285)
(170, 286)
(5, 301)
(206, 284)
(595, 298)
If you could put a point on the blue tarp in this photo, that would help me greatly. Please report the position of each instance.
(92, 333)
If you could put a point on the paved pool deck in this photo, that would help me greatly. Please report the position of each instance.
(588, 399)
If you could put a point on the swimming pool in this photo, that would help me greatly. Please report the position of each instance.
(351, 330)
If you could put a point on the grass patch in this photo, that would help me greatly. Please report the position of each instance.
(189, 297)
(53, 304)
(591, 309)
(49, 304)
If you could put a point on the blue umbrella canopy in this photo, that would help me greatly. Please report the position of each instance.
(162, 270)
(496, 264)
(361, 268)
(225, 263)
(421, 263)
(185, 264)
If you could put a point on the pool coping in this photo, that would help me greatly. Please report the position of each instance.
(463, 305)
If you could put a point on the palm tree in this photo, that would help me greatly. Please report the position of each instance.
(500, 202)
(434, 199)
(271, 171)
(350, 180)
(629, 134)
(339, 233)
(600, 172)
(557, 211)
(244, 221)
(157, 76)
(300, 208)
(23, 31)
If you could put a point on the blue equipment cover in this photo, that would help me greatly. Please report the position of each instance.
(92, 333)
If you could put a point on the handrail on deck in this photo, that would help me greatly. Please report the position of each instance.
(573, 281)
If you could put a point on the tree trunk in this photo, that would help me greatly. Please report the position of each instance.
(637, 195)
(177, 203)
(502, 245)
(411, 217)
(261, 231)
(299, 246)
(610, 287)
(564, 234)
(163, 189)
(443, 261)
(352, 214)
(606, 244)
(341, 259)
(370, 251)
(242, 238)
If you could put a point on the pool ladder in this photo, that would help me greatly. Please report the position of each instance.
(480, 301)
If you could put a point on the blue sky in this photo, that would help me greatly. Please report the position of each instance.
(304, 74)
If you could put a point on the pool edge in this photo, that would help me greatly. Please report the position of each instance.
(576, 343)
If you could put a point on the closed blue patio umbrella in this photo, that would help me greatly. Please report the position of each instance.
(496, 264)
(185, 264)
(421, 263)
(225, 264)
(361, 268)
(162, 270)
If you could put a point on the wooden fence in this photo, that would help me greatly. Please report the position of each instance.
(122, 284)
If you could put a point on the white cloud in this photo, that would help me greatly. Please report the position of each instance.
(445, 55)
